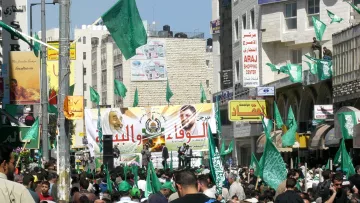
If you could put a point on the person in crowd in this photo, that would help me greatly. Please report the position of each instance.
(142, 182)
(355, 179)
(11, 191)
(293, 173)
(44, 194)
(186, 184)
(163, 195)
(52, 178)
(165, 155)
(323, 188)
(316, 46)
(28, 182)
(253, 178)
(235, 187)
(181, 155)
(203, 186)
(327, 54)
(337, 193)
(188, 155)
(124, 189)
(84, 185)
(289, 196)
(146, 155)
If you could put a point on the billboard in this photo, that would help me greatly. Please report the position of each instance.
(133, 127)
(246, 110)
(269, 1)
(53, 55)
(24, 78)
(250, 56)
(322, 112)
(215, 26)
(74, 107)
(53, 74)
(149, 63)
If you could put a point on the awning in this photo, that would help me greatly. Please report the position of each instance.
(276, 138)
(317, 140)
(330, 139)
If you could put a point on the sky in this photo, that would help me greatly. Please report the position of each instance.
(184, 15)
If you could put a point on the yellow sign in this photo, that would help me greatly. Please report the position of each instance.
(246, 110)
(74, 107)
(53, 55)
(53, 74)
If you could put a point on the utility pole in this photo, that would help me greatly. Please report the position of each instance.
(44, 90)
(64, 72)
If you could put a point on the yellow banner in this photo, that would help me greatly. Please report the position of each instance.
(53, 55)
(24, 78)
(246, 110)
(74, 107)
(53, 74)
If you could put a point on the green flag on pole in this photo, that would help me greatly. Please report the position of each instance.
(268, 125)
(71, 90)
(148, 189)
(169, 93)
(327, 167)
(218, 118)
(334, 18)
(120, 89)
(319, 28)
(155, 183)
(295, 72)
(202, 93)
(323, 68)
(275, 68)
(347, 121)
(108, 179)
(136, 98)
(345, 160)
(94, 96)
(36, 46)
(228, 150)
(354, 7)
(52, 109)
(33, 132)
(124, 23)
(277, 116)
(312, 67)
(134, 170)
(290, 118)
(254, 164)
(289, 138)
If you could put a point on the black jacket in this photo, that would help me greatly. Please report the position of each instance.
(290, 196)
(165, 153)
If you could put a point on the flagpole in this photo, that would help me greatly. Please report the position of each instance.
(17, 162)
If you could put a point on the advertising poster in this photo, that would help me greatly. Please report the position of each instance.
(74, 107)
(250, 54)
(24, 78)
(53, 55)
(132, 127)
(215, 26)
(53, 74)
(149, 63)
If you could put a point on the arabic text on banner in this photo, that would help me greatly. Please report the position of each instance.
(250, 57)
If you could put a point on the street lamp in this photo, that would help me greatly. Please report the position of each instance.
(31, 22)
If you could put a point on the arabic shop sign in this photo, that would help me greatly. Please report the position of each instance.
(12, 136)
(132, 127)
(323, 112)
(223, 96)
(250, 54)
(74, 107)
(246, 110)
(53, 55)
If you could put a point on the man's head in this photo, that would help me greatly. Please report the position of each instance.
(251, 171)
(187, 146)
(314, 39)
(84, 184)
(337, 181)
(324, 48)
(326, 174)
(293, 174)
(167, 189)
(203, 183)
(232, 177)
(184, 144)
(185, 182)
(357, 168)
(187, 116)
(290, 183)
(163, 145)
(52, 177)
(28, 180)
(45, 186)
(7, 160)
(114, 121)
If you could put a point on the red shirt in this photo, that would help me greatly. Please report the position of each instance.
(45, 197)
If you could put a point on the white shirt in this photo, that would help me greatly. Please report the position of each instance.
(238, 190)
(12, 192)
(210, 193)
(142, 185)
(125, 200)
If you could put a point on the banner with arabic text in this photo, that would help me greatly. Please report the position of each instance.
(133, 127)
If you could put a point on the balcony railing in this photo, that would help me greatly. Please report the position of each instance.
(176, 34)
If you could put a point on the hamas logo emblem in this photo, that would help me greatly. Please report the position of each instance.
(153, 127)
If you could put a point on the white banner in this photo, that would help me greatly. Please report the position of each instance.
(250, 57)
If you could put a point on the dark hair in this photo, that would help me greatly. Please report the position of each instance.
(46, 183)
(188, 107)
(185, 178)
(84, 199)
(52, 176)
(27, 179)
(326, 174)
(357, 168)
(74, 190)
(338, 177)
(292, 173)
(84, 183)
(290, 183)
(5, 153)
(203, 180)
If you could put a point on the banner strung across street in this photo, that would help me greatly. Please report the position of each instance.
(133, 127)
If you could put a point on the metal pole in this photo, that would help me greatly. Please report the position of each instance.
(64, 70)
(31, 24)
(44, 96)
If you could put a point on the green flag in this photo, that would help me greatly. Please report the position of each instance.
(120, 89)
(17, 34)
(254, 164)
(347, 121)
(169, 93)
(334, 18)
(134, 170)
(126, 168)
(215, 163)
(124, 23)
(108, 179)
(295, 72)
(217, 117)
(268, 125)
(33, 132)
(290, 118)
(288, 139)
(277, 116)
(228, 150)
(136, 98)
(203, 94)
(346, 163)
(71, 90)
(94, 96)
(155, 183)
(272, 164)
(52, 109)
(275, 68)
(319, 28)
(36, 46)
(354, 7)
(312, 67)
(337, 158)
(149, 189)
(97, 163)
(327, 167)
(324, 69)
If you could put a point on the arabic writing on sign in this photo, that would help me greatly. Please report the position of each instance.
(181, 134)
(126, 137)
(254, 112)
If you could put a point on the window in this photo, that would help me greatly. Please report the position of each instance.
(252, 18)
(290, 16)
(84, 55)
(79, 40)
(313, 10)
(296, 56)
(244, 21)
(207, 63)
(84, 40)
(84, 71)
(237, 69)
(236, 29)
(84, 86)
(207, 83)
